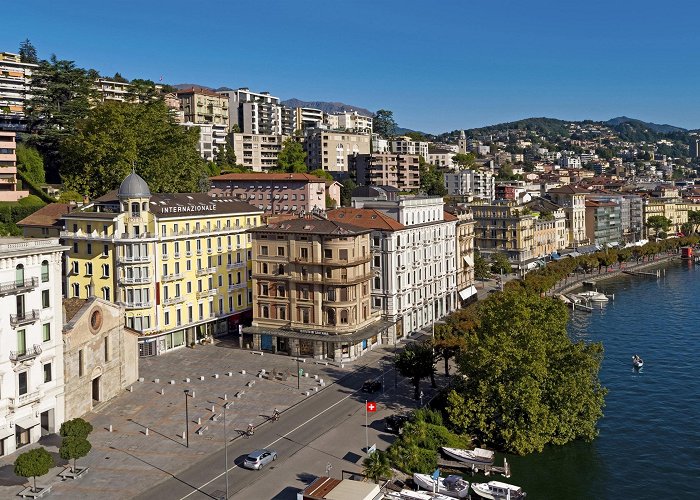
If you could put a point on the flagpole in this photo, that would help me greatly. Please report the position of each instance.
(366, 432)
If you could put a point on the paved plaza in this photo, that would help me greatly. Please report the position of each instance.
(148, 422)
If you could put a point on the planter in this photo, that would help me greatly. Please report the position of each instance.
(40, 492)
(77, 474)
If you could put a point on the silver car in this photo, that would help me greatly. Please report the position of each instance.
(259, 458)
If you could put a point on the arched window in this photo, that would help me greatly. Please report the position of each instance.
(344, 317)
(144, 207)
(331, 316)
(282, 313)
(135, 209)
(45, 271)
(19, 275)
(265, 311)
(76, 290)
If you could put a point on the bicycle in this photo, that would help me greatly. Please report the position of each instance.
(276, 415)
(250, 431)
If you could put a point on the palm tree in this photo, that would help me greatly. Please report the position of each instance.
(376, 466)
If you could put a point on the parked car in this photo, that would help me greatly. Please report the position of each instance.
(395, 423)
(372, 386)
(258, 459)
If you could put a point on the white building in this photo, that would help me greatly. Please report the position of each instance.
(31, 365)
(413, 253)
(15, 90)
(254, 112)
(258, 152)
(211, 138)
(350, 121)
(441, 158)
(479, 184)
(407, 146)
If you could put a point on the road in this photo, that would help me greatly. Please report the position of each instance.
(328, 428)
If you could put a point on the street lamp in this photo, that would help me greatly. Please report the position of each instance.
(187, 419)
(226, 407)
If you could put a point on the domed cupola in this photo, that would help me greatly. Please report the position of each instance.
(133, 187)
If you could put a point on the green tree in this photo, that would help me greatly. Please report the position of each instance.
(323, 174)
(416, 136)
(525, 383)
(33, 463)
(348, 186)
(416, 362)
(431, 179)
(658, 223)
(27, 52)
(384, 123)
(292, 156)
(76, 427)
(225, 156)
(482, 270)
(117, 137)
(142, 91)
(694, 219)
(73, 448)
(30, 163)
(464, 160)
(447, 343)
(119, 78)
(500, 263)
(376, 466)
(62, 95)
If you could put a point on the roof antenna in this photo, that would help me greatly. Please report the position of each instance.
(133, 167)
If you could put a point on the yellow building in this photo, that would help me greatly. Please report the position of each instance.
(674, 209)
(178, 263)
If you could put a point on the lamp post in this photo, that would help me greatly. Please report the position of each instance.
(298, 372)
(226, 406)
(187, 419)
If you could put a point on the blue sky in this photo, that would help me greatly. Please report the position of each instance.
(439, 66)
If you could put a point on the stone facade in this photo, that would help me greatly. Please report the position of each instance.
(100, 355)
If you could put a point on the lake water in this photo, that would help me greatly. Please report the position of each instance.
(649, 442)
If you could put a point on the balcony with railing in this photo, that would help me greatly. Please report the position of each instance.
(205, 270)
(24, 318)
(234, 265)
(23, 400)
(19, 286)
(134, 259)
(206, 293)
(172, 277)
(138, 305)
(141, 280)
(173, 300)
(25, 354)
(237, 286)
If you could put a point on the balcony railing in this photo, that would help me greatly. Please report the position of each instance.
(26, 354)
(23, 400)
(173, 300)
(236, 286)
(142, 280)
(134, 259)
(24, 318)
(19, 286)
(234, 265)
(172, 277)
(205, 270)
(138, 305)
(206, 293)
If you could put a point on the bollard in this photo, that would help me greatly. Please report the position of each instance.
(110, 427)
(229, 374)
(216, 375)
(192, 394)
(199, 420)
(242, 372)
(162, 391)
(172, 382)
(315, 389)
(140, 379)
(131, 388)
(320, 381)
(262, 371)
(187, 380)
(259, 375)
(146, 431)
(212, 408)
(315, 377)
(225, 397)
(183, 434)
(201, 377)
(306, 375)
(157, 381)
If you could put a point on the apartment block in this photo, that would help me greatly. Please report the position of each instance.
(8, 168)
(308, 118)
(201, 106)
(603, 226)
(471, 184)
(573, 200)
(330, 150)
(441, 158)
(111, 90)
(387, 169)
(212, 138)
(178, 263)
(15, 90)
(466, 286)
(254, 112)
(277, 193)
(258, 152)
(311, 290)
(31, 367)
(407, 146)
(350, 121)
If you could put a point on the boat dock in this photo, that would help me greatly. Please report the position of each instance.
(475, 467)
(656, 274)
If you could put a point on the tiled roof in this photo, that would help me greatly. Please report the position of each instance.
(568, 189)
(365, 217)
(449, 217)
(312, 225)
(72, 306)
(49, 215)
(267, 177)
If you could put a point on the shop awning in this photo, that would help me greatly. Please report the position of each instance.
(467, 292)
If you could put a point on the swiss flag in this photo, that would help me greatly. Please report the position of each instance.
(371, 406)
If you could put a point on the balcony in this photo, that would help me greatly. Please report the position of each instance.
(142, 280)
(206, 293)
(173, 300)
(237, 286)
(234, 265)
(172, 277)
(205, 270)
(23, 400)
(24, 318)
(19, 286)
(138, 305)
(134, 259)
(26, 354)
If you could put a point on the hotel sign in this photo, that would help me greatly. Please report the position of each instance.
(188, 209)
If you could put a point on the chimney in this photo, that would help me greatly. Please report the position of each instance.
(86, 200)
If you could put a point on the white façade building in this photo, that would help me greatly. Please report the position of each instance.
(31, 343)
(468, 183)
(413, 255)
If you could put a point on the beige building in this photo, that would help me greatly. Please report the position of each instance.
(308, 118)
(350, 121)
(387, 169)
(111, 90)
(407, 146)
(256, 112)
(15, 90)
(464, 242)
(573, 200)
(203, 106)
(258, 152)
(312, 290)
(8, 168)
(330, 150)
(100, 356)
(674, 209)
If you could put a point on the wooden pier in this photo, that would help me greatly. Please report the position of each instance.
(656, 274)
(475, 467)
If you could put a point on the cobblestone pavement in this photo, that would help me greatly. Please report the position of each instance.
(148, 422)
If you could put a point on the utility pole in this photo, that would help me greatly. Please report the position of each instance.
(298, 371)
(187, 419)
(226, 406)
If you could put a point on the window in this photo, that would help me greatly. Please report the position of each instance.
(19, 275)
(377, 261)
(344, 317)
(21, 342)
(343, 254)
(75, 266)
(167, 317)
(45, 303)
(22, 383)
(304, 315)
(327, 253)
(76, 290)
(263, 250)
(377, 283)
(75, 248)
(304, 253)
(105, 250)
(88, 269)
(280, 251)
(47, 372)
(282, 313)
(45, 271)
(264, 268)
(265, 311)
(81, 363)
(105, 270)
(46, 332)
(106, 293)
(264, 289)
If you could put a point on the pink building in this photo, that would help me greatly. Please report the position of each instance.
(8, 168)
(277, 193)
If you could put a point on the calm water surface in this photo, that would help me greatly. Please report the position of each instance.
(649, 442)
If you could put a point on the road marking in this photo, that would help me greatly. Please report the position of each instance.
(198, 490)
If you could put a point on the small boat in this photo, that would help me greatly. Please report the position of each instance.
(496, 490)
(593, 296)
(637, 362)
(479, 455)
(453, 486)
(418, 495)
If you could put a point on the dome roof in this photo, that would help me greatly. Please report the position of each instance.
(133, 187)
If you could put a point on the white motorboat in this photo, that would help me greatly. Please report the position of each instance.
(479, 455)
(593, 296)
(637, 362)
(419, 495)
(452, 486)
(496, 490)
